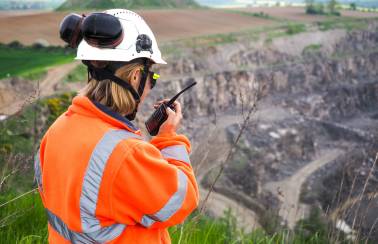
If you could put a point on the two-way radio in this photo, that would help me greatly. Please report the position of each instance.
(160, 115)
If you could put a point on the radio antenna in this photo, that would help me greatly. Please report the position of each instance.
(173, 99)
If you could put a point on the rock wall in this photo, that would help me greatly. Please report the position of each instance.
(311, 102)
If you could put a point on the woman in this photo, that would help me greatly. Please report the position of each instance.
(98, 180)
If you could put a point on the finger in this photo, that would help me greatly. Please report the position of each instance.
(158, 104)
(171, 113)
(161, 101)
(177, 107)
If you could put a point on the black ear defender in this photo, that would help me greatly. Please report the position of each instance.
(70, 29)
(160, 115)
(98, 30)
(102, 30)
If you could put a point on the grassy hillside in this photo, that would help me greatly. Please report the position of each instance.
(129, 4)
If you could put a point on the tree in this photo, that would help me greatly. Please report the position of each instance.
(314, 8)
(332, 5)
(310, 8)
(353, 6)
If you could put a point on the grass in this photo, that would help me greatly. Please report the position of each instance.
(78, 74)
(312, 48)
(24, 221)
(348, 24)
(251, 14)
(20, 135)
(293, 29)
(286, 30)
(30, 62)
(171, 49)
(260, 14)
(217, 39)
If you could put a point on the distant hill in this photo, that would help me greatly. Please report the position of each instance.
(129, 4)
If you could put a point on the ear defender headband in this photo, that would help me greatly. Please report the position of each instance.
(105, 31)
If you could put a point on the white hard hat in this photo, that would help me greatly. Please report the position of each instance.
(133, 27)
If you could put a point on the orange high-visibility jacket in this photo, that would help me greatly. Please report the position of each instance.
(100, 182)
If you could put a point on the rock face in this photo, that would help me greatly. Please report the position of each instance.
(312, 102)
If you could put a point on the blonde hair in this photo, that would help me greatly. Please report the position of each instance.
(110, 94)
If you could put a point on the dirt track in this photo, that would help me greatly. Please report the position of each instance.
(289, 189)
(46, 88)
(54, 76)
(166, 24)
(219, 204)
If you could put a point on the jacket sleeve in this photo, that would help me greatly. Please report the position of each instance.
(155, 185)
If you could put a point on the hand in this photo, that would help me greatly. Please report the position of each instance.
(174, 117)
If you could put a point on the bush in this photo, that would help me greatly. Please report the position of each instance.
(295, 28)
(312, 48)
(261, 15)
(15, 44)
(332, 6)
(319, 8)
(315, 9)
(353, 6)
(58, 105)
(37, 46)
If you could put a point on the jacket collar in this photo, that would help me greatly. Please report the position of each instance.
(83, 105)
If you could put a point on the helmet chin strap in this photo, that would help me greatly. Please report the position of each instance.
(142, 84)
(103, 74)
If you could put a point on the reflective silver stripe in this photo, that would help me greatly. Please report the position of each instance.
(103, 235)
(37, 170)
(173, 204)
(93, 177)
(177, 152)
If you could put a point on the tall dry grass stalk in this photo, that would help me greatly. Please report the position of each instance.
(344, 210)
(253, 105)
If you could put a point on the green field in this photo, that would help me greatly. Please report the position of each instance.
(30, 62)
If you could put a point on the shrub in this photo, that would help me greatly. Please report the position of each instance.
(261, 15)
(314, 8)
(15, 44)
(295, 28)
(353, 6)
